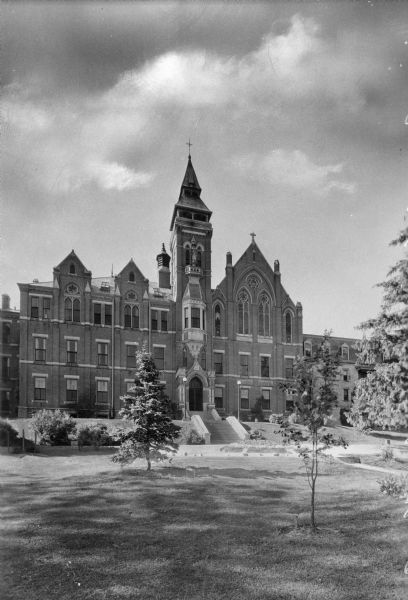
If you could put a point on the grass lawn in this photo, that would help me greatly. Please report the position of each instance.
(202, 528)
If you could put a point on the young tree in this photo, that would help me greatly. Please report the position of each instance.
(153, 434)
(314, 382)
(381, 399)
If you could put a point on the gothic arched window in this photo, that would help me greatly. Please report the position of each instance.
(131, 313)
(243, 312)
(217, 320)
(288, 328)
(72, 268)
(187, 255)
(72, 309)
(131, 276)
(199, 256)
(264, 315)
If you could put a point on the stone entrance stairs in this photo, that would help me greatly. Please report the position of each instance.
(221, 432)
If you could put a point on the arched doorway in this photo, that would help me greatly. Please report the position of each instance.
(195, 394)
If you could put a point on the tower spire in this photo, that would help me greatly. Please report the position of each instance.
(189, 144)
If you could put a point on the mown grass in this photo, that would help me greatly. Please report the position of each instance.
(202, 528)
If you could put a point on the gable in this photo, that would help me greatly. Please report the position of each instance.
(72, 265)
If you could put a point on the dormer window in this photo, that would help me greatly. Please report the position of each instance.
(131, 276)
(72, 269)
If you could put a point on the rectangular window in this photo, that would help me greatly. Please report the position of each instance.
(308, 350)
(345, 352)
(108, 314)
(289, 368)
(39, 389)
(6, 333)
(244, 398)
(218, 363)
(264, 366)
(345, 395)
(72, 351)
(35, 307)
(219, 397)
(346, 376)
(186, 318)
(101, 392)
(102, 354)
(97, 313)
(46, 308)
(195, 317)
(163, 320)
(266, 399)
(130, 356)
(5, 367)
(40, 349)
(244, 365)
(130, 387)
(72, 391)
(158, 357)
(154, 320)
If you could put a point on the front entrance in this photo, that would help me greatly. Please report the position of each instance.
(195, 394)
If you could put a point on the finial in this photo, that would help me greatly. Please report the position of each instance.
(163, 248)
(253, 237)
(189, 144)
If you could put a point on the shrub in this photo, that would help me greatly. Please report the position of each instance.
(96, 435)
(256, 434)
(256, 411)
(397, 487)
(8, 435)
(53, 427)
(194, 438)
(276, 419)
(387, 453)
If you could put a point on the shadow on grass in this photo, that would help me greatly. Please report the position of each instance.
(225, 533)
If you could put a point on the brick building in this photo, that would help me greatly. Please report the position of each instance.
(213, 347)
(10, 341)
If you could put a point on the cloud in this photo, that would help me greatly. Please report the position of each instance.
(66, 143)
(114, 176)
(293, 169)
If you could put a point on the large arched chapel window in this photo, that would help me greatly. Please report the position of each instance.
(217, 320)
(264, 318)
(243, 312)
(288, 328)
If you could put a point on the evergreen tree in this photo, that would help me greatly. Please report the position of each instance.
(314, 383)
(153, 434)
(381, 399)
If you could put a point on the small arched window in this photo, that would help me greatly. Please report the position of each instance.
(264, 316)
(288, 328)
(217, 320)
(72, 269)
(131, 276)
(187, 255)
(345, 352)
(243, 312)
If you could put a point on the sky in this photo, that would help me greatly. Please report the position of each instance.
(298, 118)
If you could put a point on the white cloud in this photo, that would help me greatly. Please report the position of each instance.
(111, 176)
(293, 169)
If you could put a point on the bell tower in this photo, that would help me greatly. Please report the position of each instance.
(190, 249)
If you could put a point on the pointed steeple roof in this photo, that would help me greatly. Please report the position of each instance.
(190, 180)
(190, 193)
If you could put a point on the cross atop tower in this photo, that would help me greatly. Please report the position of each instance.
(253, 237)
(189, 144)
